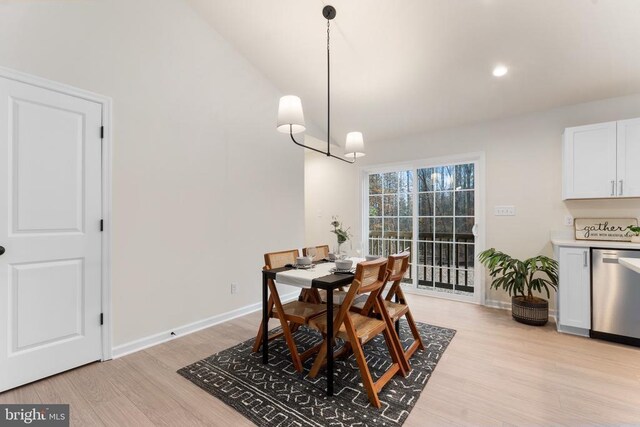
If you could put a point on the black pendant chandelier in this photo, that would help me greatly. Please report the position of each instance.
(291, 117)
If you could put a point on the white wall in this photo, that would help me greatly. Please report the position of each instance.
(330, 190)
(523, 168)
(197, 162)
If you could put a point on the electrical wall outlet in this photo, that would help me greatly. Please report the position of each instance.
(568, 220)
(234, 288)
(505, 211)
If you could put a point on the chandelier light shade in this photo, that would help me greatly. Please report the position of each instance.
(290, 115)
(291, 118)
(354, 147)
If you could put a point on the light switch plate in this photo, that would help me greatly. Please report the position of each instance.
(505, 211)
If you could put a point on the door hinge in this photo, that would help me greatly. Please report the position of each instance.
(101, 132)
(101, 318)
(101, 225)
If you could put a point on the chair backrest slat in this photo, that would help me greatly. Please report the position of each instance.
(397, 267)
(370, 277)
(322, 252)
(280, 259)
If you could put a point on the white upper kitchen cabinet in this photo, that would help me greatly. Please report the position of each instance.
(628, 184)
(589, 162)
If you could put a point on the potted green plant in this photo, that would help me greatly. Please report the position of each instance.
(520, 279)
(636, 233)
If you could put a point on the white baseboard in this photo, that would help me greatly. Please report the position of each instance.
(180, 331)
(440, 295)
(494, 303)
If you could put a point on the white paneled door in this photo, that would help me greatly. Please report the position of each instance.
(50, 222)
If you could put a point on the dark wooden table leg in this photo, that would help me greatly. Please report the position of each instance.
(329, 342)
(398, 321)
(265, 320)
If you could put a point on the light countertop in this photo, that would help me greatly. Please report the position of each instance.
(595, 244)
(630, 263)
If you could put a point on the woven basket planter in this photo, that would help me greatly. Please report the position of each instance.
(534, 313)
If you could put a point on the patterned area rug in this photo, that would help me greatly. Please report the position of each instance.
(277, 395)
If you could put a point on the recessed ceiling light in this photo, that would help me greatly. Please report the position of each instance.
(500, 70)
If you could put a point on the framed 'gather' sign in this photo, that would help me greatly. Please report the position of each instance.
(604, 228)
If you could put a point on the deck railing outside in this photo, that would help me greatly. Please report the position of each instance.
(445, 263)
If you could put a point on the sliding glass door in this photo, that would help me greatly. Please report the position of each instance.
(431, 211)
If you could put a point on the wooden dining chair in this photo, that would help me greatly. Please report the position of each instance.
(290, 315)
(357, 329)
(322, 252)
(397, 267)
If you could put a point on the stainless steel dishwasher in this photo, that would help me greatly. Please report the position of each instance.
(615, 297)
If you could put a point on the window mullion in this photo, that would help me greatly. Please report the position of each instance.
(414, 224)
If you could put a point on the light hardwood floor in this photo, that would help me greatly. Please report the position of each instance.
(495, 372)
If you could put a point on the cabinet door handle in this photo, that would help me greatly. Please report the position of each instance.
(613, 187)
(585, 258)
(620, 192)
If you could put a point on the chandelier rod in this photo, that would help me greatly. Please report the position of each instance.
(329, 13)
(328, 93)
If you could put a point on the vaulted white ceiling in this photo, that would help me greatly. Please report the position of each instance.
(409, 66)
